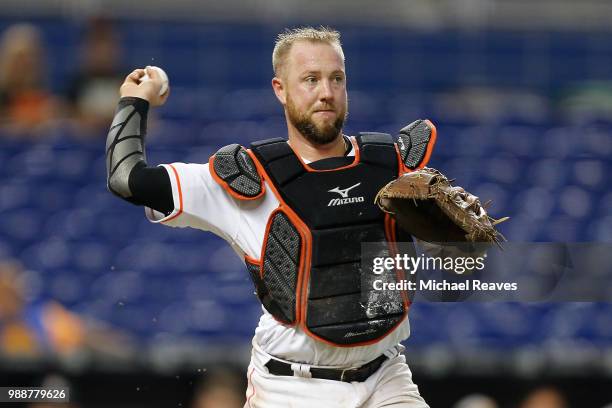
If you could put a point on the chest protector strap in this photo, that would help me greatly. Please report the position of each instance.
(310, 272)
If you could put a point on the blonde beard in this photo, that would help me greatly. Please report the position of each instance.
(310, 130)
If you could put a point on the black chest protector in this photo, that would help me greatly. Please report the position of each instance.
(309, 273)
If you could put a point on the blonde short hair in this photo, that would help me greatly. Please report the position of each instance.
(286, 39)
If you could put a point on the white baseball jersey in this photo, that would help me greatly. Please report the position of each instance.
(199, 202)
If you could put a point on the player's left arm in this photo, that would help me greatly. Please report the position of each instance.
(416, 143)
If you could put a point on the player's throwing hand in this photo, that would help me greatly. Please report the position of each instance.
(148, 90)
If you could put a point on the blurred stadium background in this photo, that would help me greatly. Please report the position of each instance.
(133, 314)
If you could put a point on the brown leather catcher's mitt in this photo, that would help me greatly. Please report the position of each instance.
(426, 205)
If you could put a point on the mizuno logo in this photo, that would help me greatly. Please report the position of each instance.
(343, 193)
(345, 198)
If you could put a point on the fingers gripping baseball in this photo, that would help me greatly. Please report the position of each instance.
(135, 76)
(130, 83)
(150, 84)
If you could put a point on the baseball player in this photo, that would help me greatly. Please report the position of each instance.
(296, 210)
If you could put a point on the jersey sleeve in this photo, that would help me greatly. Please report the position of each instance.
(199, 202)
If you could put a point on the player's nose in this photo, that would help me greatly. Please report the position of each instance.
(326, 91)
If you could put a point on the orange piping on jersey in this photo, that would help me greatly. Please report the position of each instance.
(254, 261)
(348, 166)
(226, 186)
(180, 193)
(251, 261)
(303, 230)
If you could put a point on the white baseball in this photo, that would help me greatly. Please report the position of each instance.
(162, 75)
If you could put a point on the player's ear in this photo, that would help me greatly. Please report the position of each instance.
(279, 90)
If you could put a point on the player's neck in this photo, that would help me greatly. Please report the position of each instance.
(313, 152)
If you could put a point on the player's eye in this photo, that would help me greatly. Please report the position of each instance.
(311, 80)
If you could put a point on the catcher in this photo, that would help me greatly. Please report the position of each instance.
(297, 210)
